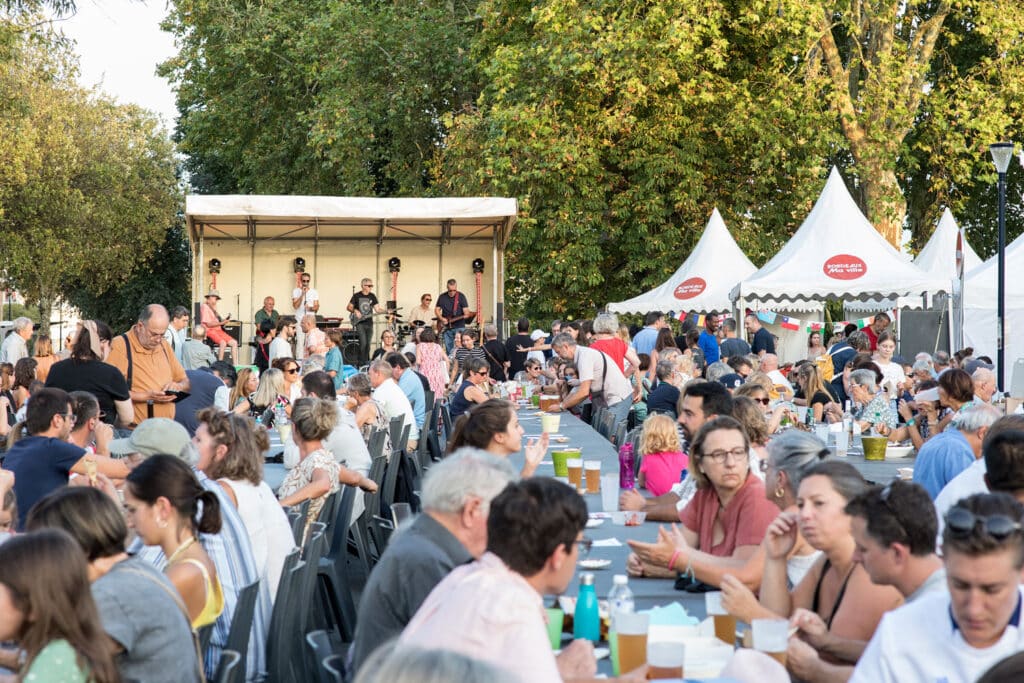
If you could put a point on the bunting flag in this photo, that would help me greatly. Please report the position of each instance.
(788, 323)
(767, 316)
(699, 319)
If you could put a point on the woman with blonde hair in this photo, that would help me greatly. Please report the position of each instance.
(242, 393)
(816, 395)
(44, 355)
(270, 394)
(316, 475)
(750, 415)
(663, 460)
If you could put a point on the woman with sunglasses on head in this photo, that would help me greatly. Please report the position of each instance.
(387, 345)
(723, 525)
(835, 606)
(472, 389)
(494, 427)
(46, 606)
(166, 506)
(757, 393)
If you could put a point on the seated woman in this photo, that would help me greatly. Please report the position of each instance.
(873, 409)
(757, 393)
(724, 524)
(533, 373)
(920, 416)
(231, 452)
(472, 389)
(49, 611)
(815, 394)
(956, 391)
(162, 503)
(664, 462)
(493, 426)
(241, 398)
(316, 475)
(387, 345)
(140, 611)
(270, 396)
(835, 606)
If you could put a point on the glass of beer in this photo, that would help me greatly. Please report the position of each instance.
(665, 660)
(631, 634)
(592, 470)
(725, 623)
(574, 467)
(771, 636)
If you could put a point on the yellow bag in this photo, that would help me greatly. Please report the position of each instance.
(825, 367)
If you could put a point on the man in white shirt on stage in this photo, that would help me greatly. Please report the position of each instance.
(305, 300)
(957, 635)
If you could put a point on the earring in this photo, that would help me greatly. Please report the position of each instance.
(779, 493)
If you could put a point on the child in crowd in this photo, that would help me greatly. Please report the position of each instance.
(663, 459)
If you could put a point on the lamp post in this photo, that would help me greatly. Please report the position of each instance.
(1001, 152)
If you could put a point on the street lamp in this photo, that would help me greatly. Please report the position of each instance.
(1001, 152)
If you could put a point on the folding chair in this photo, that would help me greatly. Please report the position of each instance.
(228, 669)
(320, 649)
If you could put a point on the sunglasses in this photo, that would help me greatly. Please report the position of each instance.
(292, 371)
(763, 401)
(963, 522)
(305, 282)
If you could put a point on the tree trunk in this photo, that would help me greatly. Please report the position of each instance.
(887, 207)
(45, 311)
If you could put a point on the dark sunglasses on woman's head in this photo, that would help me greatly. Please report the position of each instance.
(763, 401)
(962, 522)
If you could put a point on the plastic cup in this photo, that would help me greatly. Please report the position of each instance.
(556, 618)
(610, 492)
(535, 400)
(874, 447)
(630, 641)
(801, 413)
(574, 466)
(664, 660)
(842, 443)
(592, 471)
(725, 623)
(549, 422)
(771, 636)
(821, 431)
(559, 458)
(285, 432)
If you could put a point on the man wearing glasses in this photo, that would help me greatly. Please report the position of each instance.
(305, 300)
(281, 346)
(423, 313)
(956, 635)
(362, 306)
(452, 310)
(149, 365)
(42, 461)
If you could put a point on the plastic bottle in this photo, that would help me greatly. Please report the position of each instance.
(626, 473)
(620, 598)
(586, 619)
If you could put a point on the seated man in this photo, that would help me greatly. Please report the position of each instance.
(949, 453)
(664, 397)
(452, 531)
(492, 609)
(955, 635)
(411, 386)
(196, 354)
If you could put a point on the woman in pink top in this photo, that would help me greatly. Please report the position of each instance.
(432, 361)
(663, 458)
(725, 522)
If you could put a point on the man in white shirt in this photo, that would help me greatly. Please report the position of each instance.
(600, 378)
(770, 367)
(984, 385)
(957, 635)
(391, 397)
(305, 300)
(15, 345)
(281, 346)
(177, 331)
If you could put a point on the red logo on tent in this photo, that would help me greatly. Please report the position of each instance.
(845, 267)
(690, 288)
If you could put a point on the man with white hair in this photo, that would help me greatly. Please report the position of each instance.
(15, 346)
(770, 367)
(941, 362)
(984, 385)
(949, 453)
(196, 353)
(452, 531)
(392, 399)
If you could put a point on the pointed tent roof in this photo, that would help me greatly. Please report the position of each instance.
(703, 282)
(838, 254)
(981, 286)
(939, 256)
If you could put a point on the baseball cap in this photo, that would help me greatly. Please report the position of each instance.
(157, 435)
(538, 334)
(731, 380)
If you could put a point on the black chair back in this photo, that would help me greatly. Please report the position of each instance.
(320, 649)
(229, 669)
(241, 621)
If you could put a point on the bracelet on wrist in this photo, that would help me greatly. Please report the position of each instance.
(911, 422)
(672, 560)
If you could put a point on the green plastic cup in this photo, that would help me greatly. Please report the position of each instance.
(874, 447)
(556, 618)
(535, 400)
(560, 460)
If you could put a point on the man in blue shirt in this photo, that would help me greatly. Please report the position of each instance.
(708, 341)
(948, 454)
(644, 340)
(410, 385)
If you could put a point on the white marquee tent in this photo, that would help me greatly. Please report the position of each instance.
(837, 254)
(939, 256)
(703, 282)
(981, 292)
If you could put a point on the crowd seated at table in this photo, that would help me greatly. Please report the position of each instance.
(879, 582)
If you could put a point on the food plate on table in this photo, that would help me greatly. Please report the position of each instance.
(561, 439)
(595, 564)
(893, 452)
(594, 523)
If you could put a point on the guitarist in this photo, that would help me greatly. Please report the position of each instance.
(452, 312)
(362, 306)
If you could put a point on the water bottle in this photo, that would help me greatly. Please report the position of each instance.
(620, 599)
(626, 473)
(586, 619)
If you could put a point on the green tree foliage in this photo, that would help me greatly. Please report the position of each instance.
(88, 189)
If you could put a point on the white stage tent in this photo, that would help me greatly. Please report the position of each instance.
(981, 292)
(702, 283)
(836, 254)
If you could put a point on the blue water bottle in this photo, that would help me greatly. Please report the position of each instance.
(586, 619)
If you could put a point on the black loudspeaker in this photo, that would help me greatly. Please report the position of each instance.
(350, 353)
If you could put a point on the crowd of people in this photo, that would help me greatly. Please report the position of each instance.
(133, 488)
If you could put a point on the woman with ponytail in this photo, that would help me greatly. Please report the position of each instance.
(162, 500)
(493, 426)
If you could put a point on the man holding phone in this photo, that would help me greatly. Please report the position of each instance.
(149, 365)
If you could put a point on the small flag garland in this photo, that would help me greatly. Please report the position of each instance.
(784, 321)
